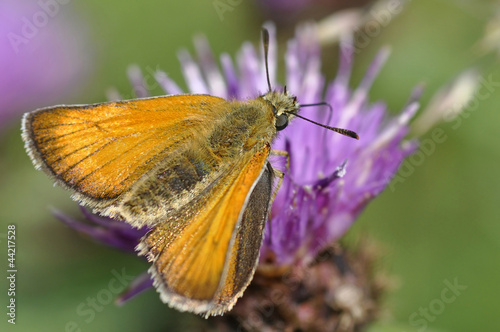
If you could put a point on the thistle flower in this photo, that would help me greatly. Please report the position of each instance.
(329, 182)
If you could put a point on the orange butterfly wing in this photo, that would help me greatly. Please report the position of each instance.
(98, 151)
(204, 265)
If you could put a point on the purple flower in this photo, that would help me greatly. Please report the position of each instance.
(331, 178)
(40, 55)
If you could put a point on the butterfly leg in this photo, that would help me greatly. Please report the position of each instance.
(280, 174)
(282, 154)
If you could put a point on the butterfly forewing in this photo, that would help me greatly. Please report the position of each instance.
(99, 151)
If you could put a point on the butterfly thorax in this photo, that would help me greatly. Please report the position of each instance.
(244, 128)
(250, 125)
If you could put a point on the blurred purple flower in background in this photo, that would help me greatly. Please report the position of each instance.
(288, 13)
(284, 5)
(40, 55)
(331, 178)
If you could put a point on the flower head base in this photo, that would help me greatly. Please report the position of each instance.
(330, 179)
(335, 292)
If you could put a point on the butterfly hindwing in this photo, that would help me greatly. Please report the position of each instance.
(205, 264)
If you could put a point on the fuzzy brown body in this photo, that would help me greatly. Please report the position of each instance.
(193, 168)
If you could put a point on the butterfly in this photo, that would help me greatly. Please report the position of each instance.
(192, 168)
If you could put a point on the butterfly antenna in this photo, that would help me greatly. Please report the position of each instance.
(344, 132)
(265, 42)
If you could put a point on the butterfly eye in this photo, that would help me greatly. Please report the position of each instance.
(281, 121)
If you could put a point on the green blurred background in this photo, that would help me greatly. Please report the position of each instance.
(441, 224)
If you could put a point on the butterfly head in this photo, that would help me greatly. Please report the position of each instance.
(284, 105)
